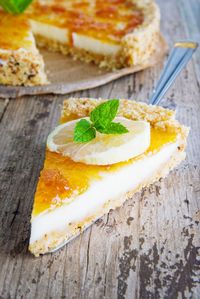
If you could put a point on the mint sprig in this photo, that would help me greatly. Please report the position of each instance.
(103, 114)
(84, 131)
(101, 120)
(113, 128)
(15, 6)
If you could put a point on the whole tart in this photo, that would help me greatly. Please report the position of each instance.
(112, 34)
(70, 195)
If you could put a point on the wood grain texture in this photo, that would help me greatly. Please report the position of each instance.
(149, 248)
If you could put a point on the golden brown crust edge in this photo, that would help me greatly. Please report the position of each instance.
(139, 45)
(22, 68)
(156, 115)
(81, 107)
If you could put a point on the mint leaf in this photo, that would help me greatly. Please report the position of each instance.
(15, 6)
(103, 114)
(84, 131)
(101, 120)
(113, 128)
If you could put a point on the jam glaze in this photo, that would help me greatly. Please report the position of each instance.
(62, 179)
(107, 20)
(14, 32)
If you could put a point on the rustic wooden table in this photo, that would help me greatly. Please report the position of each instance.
(146, 249)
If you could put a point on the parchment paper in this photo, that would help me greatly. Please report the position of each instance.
(67, 75)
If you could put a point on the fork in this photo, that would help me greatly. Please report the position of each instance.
(178, 58)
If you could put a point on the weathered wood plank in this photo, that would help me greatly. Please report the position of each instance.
(146, 249)
(3, 106)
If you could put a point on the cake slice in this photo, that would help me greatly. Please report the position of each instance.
(20, 61)
(112, 34)
(74, 190)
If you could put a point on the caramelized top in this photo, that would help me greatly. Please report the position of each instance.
(61, 178)
(107, 20)
(104, 19)
(14, 32)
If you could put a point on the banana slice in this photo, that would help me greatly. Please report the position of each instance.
(105, 149)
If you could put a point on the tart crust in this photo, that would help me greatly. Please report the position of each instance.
(158, 117)
(22, 67)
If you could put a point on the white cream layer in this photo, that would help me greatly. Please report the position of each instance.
(50, 31)
(94, 45)
(111, 186)
(80, 41)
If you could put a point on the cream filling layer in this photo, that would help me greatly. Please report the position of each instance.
(111, 186)
(94, 45)
(50, 31)
(80, 41)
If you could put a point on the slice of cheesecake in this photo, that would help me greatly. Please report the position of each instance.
(73, 192)
(20, 61)
(111, 33)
